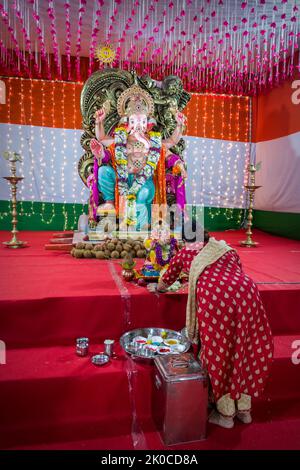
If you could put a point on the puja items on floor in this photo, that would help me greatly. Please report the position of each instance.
(99, 359)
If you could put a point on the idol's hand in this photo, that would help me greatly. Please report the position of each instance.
(182, 170)
(97, 150)
(100, 115)
(180, 118)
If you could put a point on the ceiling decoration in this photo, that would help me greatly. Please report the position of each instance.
(228, 46)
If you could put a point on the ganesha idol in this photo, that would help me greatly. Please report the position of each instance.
(133, 163)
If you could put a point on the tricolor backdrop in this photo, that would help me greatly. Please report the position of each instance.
(277, 136)
(42, 121)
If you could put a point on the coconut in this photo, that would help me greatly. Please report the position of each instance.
(115, 241)
(100, 255)
(141, 254)
(87, 254)
(127, 247)
(115, 254)
(98, 247)
(119, 248)
(80, 246)
(107, 254)
(110, 246)
(79, 253)
(123, 254)
(137, 246)
(88, 246)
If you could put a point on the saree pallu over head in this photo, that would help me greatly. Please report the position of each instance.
(211, 252)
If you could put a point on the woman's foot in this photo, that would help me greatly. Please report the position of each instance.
(220, 420)
(244, 416)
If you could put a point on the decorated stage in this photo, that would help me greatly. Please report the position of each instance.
(54, 399)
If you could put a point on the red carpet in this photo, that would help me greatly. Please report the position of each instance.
(54, 399)
(51, 298)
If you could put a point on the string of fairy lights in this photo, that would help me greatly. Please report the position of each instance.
(53, 172)
(76, 157)
(5, 214)
(217, 161)
(221, 156)
(46, 162)
(28, 146)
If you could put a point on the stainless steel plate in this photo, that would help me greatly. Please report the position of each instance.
(140, 352)
(100, 359)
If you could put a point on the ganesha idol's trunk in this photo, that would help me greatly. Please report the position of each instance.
(137, 133)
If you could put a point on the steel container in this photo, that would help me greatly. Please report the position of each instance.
(180, 398)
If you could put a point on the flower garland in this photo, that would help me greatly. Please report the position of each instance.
(121, 159)
(160, 252)
(140, 178)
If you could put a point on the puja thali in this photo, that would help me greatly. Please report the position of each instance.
(147, 343)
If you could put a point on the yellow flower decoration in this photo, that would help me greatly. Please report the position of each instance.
(105, 54)
(147, 243)
(152, 257)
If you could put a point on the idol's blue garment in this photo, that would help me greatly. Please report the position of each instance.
(144, 198)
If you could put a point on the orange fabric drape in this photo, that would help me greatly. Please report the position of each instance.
(159, 178)
(57, 104)
(277, 113)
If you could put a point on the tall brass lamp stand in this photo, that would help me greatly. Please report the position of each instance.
(251, 187)
(13, 180)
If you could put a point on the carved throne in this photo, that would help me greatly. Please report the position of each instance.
(108, 84)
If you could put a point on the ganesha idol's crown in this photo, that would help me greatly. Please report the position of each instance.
(135, 100)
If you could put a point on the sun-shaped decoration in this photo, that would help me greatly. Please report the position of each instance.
(105, 53)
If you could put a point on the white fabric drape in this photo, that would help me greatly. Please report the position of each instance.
(279, 175)
(216, 168)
